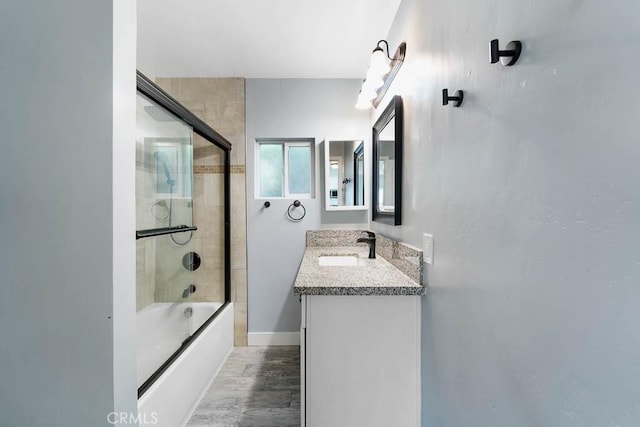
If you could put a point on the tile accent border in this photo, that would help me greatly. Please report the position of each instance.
(217, 169)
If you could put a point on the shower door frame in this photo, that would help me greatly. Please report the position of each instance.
(149, 89)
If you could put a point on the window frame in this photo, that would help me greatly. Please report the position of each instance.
(286, 144)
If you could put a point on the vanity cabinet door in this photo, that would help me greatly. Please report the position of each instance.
(362, 361)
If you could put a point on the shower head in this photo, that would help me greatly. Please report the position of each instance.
(163, 159)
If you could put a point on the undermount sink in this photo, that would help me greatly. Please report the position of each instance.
(338, 260)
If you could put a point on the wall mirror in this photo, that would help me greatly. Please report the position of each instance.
(386, 197)
(345, 177)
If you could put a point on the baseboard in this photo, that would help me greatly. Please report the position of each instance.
(273, 338)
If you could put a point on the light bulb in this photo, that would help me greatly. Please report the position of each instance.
(378, 64)
(363, 103)
(373, 80)
(368, 92)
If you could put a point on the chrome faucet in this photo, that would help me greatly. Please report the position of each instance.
(371, 241)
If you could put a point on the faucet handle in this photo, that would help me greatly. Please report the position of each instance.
(369, 233)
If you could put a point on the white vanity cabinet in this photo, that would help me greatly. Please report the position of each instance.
(360, 357)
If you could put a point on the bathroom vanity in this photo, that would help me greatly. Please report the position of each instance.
(360, 331)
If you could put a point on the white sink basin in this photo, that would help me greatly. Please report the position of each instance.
(338, 260)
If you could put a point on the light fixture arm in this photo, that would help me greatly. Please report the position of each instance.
(396, 63)
(380, 74)
(386, 46)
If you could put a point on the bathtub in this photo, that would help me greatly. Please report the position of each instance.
(170, 400)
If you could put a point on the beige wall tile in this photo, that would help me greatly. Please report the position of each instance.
(240, 323)
(239, 218)
(221, 104)
(214, 252)
(238, 254)
(209, 285)
(211, 222)
(239, 152)
(240, 337)
(199, 142)
(239, 285)
(214, 189)
(196, 107)
(207, 155)
(238, 190)
(198, 187)
(165, 84)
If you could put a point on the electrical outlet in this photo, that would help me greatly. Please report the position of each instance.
(427, 247)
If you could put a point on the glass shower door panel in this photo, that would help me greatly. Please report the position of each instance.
(164, 168)
(164, 198)
(209, 277)
(164, 325)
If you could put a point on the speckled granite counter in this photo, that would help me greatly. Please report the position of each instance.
(370, 277)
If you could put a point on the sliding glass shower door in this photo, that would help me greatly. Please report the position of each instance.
(182, 216)
(164, 201)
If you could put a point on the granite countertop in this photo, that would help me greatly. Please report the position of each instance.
(370, 277)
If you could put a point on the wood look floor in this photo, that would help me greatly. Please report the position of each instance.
(257, 386)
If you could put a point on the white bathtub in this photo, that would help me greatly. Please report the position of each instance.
(161, 329)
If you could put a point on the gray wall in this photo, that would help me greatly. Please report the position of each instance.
(531, 192)
(291, 108)
(68, 355)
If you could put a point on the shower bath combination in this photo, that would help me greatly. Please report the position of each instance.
(183, 284)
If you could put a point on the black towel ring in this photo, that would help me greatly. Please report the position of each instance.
(296, 204)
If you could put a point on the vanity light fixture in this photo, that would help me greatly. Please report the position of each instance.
(514, 48)
(382, 70)
(458, 98)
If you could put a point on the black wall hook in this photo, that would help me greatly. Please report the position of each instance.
(514, 48)
(458, 98)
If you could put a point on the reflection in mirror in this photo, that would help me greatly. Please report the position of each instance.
(358, 158)
(387, 164)
(386, 168)
(345, 175)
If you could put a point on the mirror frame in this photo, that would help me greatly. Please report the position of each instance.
(327, 160)
(360, 151)
(393, 110)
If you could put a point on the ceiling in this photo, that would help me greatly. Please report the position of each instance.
(260, 38)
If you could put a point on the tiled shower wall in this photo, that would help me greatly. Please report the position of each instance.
(221, 104)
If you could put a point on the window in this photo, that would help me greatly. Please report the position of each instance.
(284, 168)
